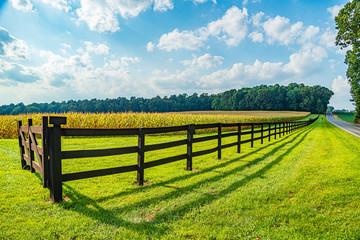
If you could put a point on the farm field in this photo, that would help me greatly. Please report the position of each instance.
(295, 187)
(8, 123)
(347, 117)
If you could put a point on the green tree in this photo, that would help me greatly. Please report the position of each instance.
(348, 26)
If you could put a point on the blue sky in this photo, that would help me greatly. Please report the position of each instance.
(57, 50)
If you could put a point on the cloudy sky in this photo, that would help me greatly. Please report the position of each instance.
(56, 50)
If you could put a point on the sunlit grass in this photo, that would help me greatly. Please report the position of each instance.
(301, 186)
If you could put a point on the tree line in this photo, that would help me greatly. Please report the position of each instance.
(348, 37)
(296, 97)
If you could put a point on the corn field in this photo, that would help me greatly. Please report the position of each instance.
(8, 123)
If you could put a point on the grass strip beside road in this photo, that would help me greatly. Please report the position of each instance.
(344, 116)
(301, 186)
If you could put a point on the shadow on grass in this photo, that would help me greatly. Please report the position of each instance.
(188, 175)
(91, 208)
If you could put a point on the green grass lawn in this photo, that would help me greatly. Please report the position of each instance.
(302, 186)
(348, 117)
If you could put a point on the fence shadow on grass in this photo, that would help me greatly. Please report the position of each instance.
(91, 208)
(194, 173)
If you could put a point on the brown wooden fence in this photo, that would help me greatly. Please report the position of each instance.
(49, 155)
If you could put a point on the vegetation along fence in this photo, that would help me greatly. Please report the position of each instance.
(49, 154)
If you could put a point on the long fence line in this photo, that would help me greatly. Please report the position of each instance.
(49, 154)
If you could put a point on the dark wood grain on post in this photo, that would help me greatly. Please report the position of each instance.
(55, 159)
(141, 157)
(45, 142)
(219, 140)
(252, 135)
(239, 138)
(21, 146)
(269, 132)
(262, 133)
(189, 148)
(30, 152)
(275, 131)
(290, 126)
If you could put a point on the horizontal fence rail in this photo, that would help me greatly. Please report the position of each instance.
(49, 155)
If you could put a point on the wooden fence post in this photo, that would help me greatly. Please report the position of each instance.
(190, 136)
(219, 140)
(45, 147)
(262, 133)
(55, 159)
(141, 157)
(275, 131)
(22, 149)
(287, 128)
(31, 152)
(279, 130)
(269, 132)
(239, 138)
(283, 129)
(252, 134)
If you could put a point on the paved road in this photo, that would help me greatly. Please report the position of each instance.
(349, 127)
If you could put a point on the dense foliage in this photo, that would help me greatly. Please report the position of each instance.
(182, 102)
(296, 97)
(292, 97)
(348, 26)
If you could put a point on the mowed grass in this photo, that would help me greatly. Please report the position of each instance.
(301, 186)
(344, 116)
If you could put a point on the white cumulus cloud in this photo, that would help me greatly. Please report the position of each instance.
(309, 34)
(102, 16)
(280, 29)
(22, 5)
(256, 19)
(328, 38)
(239, 75)
(341, 98)
(11, 47)
(99, 17)
(202, 1)
(177, 40)
(307, 60)
(99, 49)
(150, 47)
(256, 36)
(205, 61)
(163, 5)
(334, 10)
(59, 4)
(232, 27)
(340, 86)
